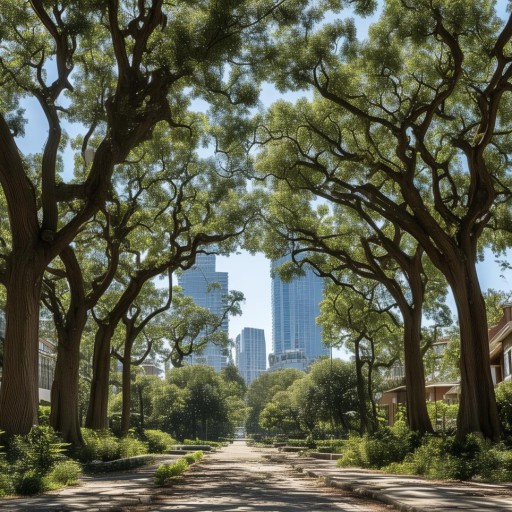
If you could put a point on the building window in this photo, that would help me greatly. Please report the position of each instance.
(507, 363)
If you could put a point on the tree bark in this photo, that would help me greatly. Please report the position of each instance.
(97, 413)
(126, 382)
(361, 391)
(19, 392)
(417, 413)
(477, 409)
(64, 416)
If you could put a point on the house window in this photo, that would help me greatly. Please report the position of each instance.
(507, 363)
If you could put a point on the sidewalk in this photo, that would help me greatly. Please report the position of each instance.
(105, 492)
(408, 494)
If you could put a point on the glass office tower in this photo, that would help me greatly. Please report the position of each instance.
(295, 306)
(197, 283)
(251, 357)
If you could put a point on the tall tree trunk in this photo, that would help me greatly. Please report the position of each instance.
(477, 410)
(361, 391)
(64, 416)
(417, 413)
(126, 383)
(97, 413)
(19, 392)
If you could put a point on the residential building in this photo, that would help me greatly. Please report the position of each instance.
(500, 347)
(47, 358)
(208, 288)
(500, 354)
(250, 353)
(295, 307)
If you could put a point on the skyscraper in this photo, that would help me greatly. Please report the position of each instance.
(251, 353)
(197, 282)
(295, 306)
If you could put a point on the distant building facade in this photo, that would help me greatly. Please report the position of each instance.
(47, 358)
(250, 353)
(295, 307)
(289, 359)
(197, 283)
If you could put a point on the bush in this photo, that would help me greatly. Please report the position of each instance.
(166, 471)
(504, 402)
(445, 458)
(130, 446)
(158, 441)
(28, 483)
(385, 447)
(39, 450)
(66, 472)
(99, 445)
(194, 457)
(213, 444)
(43, 415)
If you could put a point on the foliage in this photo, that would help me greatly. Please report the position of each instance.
(37, 451)
(44, 415)
(504, 401)
(202, 411)
(130, 446)
(445, 458)
(192, 442)
(30, 482)
(262, 390)
(99, 445)
(443, 416)
(166, 471)
(158, 441)
(194, 457)
(65, 472)
(388, 445)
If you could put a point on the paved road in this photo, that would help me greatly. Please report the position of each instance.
(242, 479)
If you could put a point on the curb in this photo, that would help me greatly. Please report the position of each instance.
(361, 490)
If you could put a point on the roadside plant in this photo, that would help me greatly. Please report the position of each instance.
(167, 471)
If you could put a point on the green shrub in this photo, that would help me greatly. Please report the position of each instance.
(43, 415)
(504, 402)
(445, 458)
(158, 441)
(99, 445)
(66, 472)
(166, 471)
(213, 444)
(39, 450)
(130, 446)
(386, 446)
(193, 457)
(28, 483)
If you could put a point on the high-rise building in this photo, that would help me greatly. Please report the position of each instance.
(250, 353)
(207, 287)
(295, 306)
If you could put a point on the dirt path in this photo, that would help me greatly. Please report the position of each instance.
(242, 479)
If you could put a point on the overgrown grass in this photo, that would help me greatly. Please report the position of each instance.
(165, 472)
(397, 450)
